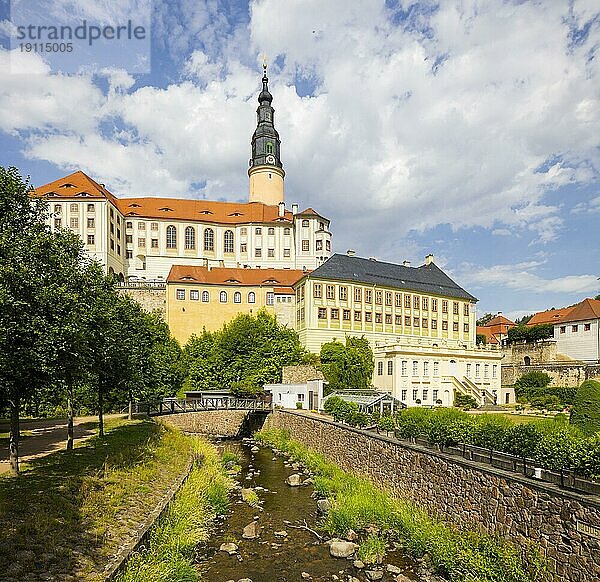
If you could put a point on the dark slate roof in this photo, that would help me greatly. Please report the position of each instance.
(426, 278)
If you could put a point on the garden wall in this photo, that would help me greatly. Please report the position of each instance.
(223, 423)
(566, 525)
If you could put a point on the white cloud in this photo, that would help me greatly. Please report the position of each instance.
(521, 277)
(468, 125)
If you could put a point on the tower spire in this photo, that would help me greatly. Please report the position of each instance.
(266, 170)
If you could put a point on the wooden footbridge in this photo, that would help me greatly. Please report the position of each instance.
(177, 406)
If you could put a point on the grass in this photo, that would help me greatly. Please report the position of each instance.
(453, 554)
(66, 514)
(372, 550)
(171, 546)
(252, 499)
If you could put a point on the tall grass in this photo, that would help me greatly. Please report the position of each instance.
(454, 554)
(170, 552)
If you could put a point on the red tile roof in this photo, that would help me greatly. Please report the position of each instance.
(500, 320)
(587, 309)
(73, 185)
(487, 332)
(550, 316)
(283, 291)
(237, 277)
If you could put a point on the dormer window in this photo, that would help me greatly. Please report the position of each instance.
(51, 194)
(134, 205)
(270, 282)
(232, 281)
(187, 278)
(83, 194)
(67, 185)
(132, 214)
(236, 214)
(166, 209)
(205, 212)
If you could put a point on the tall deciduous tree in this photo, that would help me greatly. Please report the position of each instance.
(348, 365)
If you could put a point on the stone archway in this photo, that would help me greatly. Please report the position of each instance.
(527, 361)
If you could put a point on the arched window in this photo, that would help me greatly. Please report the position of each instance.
(228, 241)
(269, 147)
(205, 296)
(223, 297)
(237, 297)
(209, 239)
(190, 237)
(171, 237)
(251, 297)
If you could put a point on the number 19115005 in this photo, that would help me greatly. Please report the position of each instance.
(46, 47)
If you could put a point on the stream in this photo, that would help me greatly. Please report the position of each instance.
(280, 553)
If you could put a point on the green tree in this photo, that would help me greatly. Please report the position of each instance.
(485, 319)
(481, 339)
(521, 441)
(530, 334)
(585, 413)
(348, 365)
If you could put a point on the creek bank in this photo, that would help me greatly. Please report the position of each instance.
(288, 543)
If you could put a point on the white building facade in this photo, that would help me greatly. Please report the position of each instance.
(577, 334)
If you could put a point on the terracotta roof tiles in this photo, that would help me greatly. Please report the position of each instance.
(234, 276)
(587, 309)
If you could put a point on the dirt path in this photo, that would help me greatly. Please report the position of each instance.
(41, 437)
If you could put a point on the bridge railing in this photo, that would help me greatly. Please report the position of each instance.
(198, 405)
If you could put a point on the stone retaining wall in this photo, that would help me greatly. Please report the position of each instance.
(221, 423)
(565, 525)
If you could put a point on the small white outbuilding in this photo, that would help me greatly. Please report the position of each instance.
(308, 396)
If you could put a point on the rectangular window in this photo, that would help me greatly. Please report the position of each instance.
(435, 396)
(330, 292)
(444, 306)
(434, 324)
(327, 245)
(90, 239)
(91, 223)
(270, 298)
(424, 322)
(300, 397)
(286, 231)
(128, 254)
(425, 368)
(425, 395)
(477, 370)
(574, 328)
(141, 226)
(243, 231)
(404, 368)
(343, 293)
(271, 231)
(129, 238)
(129, 224)
(455, 308)
(415, 395)
(112, 213)
(180, 294)
(407, 320)
(271, 253)
(258, 252)
(468, 370)
(563, 328)
(416, 322)
(466, 328)
(57, 208)
(74, 207)
(398, 320)
(444, 326)
(258, 231)
(494, 371)
(407, 301)
(368, 316)
(398, 299)
(243, 247)
(141, 242)
(390, 367)
(380, 368)
(118, 249)
(357, 294)
(305, 245)
(74, 222)
(319, 245)
(486, 371)
(416, 302)
(322, 313)
(378, 318)
(455, 326)
(436, 368)
(91, 208)
(403, 397)
(335, 313)
(378, 297)
(286, 252)
(357, 316)
(388, 319)
(587, 326)
(318, 290)
(368, 296)
(425, 303)
(434, 305)
(346, 315)
(388, 297)
(154, 243)
(466, 310)
(415, 368)
(112, 244)
(194, 295)
(154, 226)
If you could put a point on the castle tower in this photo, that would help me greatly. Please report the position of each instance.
(266, 170)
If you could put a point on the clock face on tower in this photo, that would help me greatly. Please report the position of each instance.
(270, 159)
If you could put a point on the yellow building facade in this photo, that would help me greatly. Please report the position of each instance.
(199, 298)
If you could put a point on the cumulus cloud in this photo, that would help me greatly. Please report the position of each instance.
(466, 113)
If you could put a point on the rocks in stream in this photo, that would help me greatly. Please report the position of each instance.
(393, 569)
(324, 505)
(294, 480)
(374, 574)
(255, 449)
(229, 547)
(341, 548)
(251, 531)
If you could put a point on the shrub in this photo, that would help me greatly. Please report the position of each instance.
(481, 339)
(586, 410)
(340, 409)
(386, 423)
(558, 448)
(546, 402)
(245, 388)
(358, 419)
(490, 431)
(411, 423)
(589, 457)
(372, 550)
(446, 426)
(465, 401)
(521, 440)
(299, 405)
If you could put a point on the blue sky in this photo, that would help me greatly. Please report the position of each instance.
(467, 129)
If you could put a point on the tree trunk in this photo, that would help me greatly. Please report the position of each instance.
(130, 415)
(100, 411)
(14, 434)
(70, 420)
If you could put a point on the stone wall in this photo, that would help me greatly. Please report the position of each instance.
(539, 352)
(566, 374)
(565, 525)
(221, 423)
(150, 298)
(300, 374)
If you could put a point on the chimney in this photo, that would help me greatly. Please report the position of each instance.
(499, 313)
(406, 263)
(429, 259)
(350, 252)
(294, 209)
(372, 258)
(281, 209)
